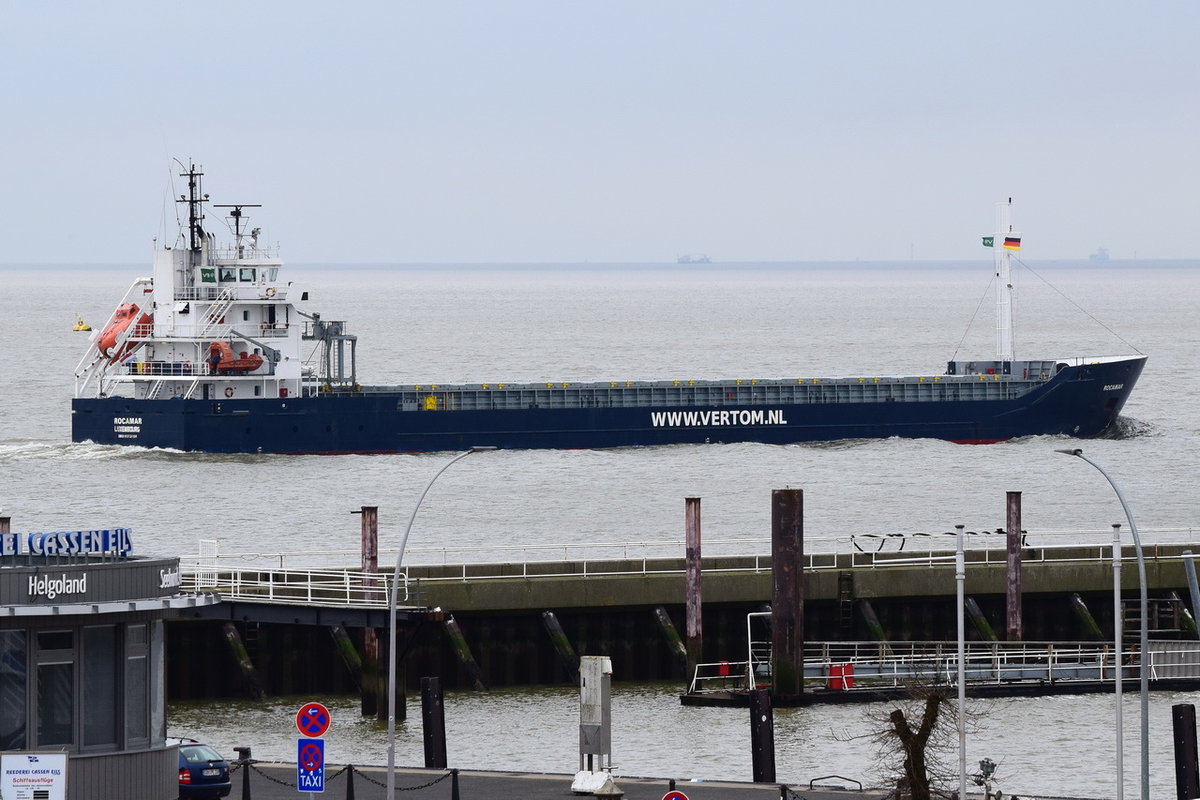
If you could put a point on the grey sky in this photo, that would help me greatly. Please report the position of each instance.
(605, 131)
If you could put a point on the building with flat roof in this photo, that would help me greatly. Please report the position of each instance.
(81, 659)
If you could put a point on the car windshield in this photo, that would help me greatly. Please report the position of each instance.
(199, 753)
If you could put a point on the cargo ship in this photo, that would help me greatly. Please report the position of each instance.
(215, 352)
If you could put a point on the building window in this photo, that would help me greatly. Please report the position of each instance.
(14, 670)
(56, 700)
(100, 688)
(137, 686)
(55, 688)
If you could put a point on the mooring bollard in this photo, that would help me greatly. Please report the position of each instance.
(244, 759)
(454, 785)
(349, 782)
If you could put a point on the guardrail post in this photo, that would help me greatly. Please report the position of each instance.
(1015, 631)
(762, 736)
(693, 624)
(433, 722)
(1187, 772)
(244, 760)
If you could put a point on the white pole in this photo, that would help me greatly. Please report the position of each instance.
(391, 699)
(1003, 260)
(1144, 639)
(1118, 636)
(960, 574)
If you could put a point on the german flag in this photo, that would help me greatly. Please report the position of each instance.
(1012, 242)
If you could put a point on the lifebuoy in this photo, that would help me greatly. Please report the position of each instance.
(270, 292)
(229, 391)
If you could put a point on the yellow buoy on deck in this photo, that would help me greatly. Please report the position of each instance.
(80, 325)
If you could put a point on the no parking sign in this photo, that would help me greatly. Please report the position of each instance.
(310, 765)
(312, 720)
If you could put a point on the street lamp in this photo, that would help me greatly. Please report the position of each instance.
(1144, 644)
(960, 576)
(391, 700)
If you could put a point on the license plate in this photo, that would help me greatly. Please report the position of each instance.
(211, 773)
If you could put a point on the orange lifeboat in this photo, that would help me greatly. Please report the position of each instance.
(222, 359)
(122, 319)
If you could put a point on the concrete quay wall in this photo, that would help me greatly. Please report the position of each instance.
(747, 579)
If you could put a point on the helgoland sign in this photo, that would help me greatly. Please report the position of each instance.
(108, 542)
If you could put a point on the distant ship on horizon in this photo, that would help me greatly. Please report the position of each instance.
(690, 259)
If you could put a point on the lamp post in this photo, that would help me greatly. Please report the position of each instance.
(960, 576)
(1144, 642)
(391, 699)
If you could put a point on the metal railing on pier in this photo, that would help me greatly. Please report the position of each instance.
(333, 588)
(860, 666)
(721, 555)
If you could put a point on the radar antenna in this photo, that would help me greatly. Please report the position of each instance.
(236, 216)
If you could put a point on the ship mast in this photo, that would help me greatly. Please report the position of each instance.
(1005, 242)
(195, 202)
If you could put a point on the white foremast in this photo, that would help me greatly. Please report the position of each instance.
(1003, 256)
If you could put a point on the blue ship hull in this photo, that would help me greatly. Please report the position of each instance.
(1081, 401)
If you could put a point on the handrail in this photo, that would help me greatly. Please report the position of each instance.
(334, 588)
(858, 666)
(636, 558)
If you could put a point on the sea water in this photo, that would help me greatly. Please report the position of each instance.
(643, 322)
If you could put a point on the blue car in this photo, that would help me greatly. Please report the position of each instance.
(202, 771)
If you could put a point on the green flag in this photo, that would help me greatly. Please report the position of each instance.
(987, 241)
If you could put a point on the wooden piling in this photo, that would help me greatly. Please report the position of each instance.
(874, 626)
(1085, 616)
(349, 653)
(562, 645)
(5, 525)
(433, 722)
(693, 623)
(787, 598)
(1187, 623)
(1014, 628)
(242, 658)
(982, 626)
(458, 643)
(372, 688)
(762, 737)
(674, 643)
(1187, 771)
